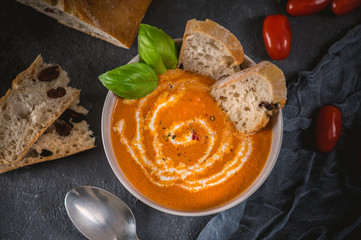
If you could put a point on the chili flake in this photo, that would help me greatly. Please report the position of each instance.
(195, 136)
(212, 118)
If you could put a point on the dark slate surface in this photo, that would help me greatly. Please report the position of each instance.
(31, 198)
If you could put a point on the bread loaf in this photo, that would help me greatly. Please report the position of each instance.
(114, 21)
(250, 97)
(39, 96)
(58, 141)
(209, 49)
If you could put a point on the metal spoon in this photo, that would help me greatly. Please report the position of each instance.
(98, 214)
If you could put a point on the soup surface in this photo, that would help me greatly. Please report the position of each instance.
(177, 147)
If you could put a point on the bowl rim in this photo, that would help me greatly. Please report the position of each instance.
(277, 136)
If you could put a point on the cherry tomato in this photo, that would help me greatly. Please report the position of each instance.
(328, 128)
(342, 7)
(277, 36)
(305, 7)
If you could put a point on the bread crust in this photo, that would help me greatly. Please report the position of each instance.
(35, 65)
(118, 19)
(59, 146)
(262, 123)
(267, 70)
(32, 68)
(276, 82)
(217, 32)
(25, 162)
(21, 156)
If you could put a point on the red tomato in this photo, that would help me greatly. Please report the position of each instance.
(341, 7)
(277, 36)
(328, 128)
(305, 7)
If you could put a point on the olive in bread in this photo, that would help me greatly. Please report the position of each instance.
(38, 97)
(209, 49)
(250, 97)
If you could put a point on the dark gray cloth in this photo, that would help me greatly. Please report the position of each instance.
(309, 195)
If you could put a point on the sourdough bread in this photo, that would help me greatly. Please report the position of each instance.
(209, 49)
(250, 97)
(51, 145)
(114, 21)
(39, 96)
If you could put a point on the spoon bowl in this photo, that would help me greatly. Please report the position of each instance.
(98, 214)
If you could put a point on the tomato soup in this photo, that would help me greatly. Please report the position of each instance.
(177, 147)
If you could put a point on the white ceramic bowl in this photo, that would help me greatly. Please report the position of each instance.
(277, 129)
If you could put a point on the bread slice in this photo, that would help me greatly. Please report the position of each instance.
(114, 21)
(31, 107)
(251, 96)
(209, 49)
(51, 145)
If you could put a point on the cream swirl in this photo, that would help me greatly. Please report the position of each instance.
(162, 169)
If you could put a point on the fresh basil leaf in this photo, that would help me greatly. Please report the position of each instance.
(131, 81)
(157, 49)
(141, 60)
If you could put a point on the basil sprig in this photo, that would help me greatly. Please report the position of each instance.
(157, 49)
(131, 81)
(157, 53)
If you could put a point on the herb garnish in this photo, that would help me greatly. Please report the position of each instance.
(157, 53)
(131, 81)
(157, 49)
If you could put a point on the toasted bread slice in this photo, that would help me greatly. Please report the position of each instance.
(51, 145)
(209, 49)
(39, 96)
(250, 97)
(114, 21)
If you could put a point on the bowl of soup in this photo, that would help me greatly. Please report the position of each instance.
(176, 150)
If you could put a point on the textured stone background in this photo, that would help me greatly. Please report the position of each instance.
(31, 198)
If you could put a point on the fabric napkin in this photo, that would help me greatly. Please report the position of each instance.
(309, 195)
